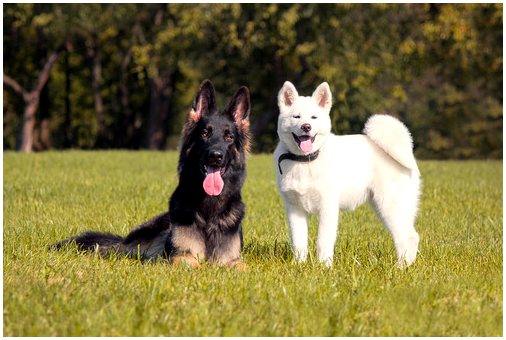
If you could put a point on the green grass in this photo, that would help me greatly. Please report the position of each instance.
(453, 289)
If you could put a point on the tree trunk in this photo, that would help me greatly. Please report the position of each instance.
(43, 140)
(161, 91)
(127, 127)
(42, 135)
(32, 99)
(96, 81)
(67, 129)
(29, 122)
(262, 122)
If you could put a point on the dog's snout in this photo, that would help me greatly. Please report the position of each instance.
(215, 156)
(306, 127)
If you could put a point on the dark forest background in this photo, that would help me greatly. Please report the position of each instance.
(101, 76)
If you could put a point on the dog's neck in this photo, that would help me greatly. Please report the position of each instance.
(298, 158)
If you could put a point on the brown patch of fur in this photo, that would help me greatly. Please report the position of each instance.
(238, 265)
(244, 128)
(188, 240)
(229, 252)
(186, 260)
(193, 116)
(229, 219)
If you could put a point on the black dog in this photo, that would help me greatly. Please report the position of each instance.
(205, 210)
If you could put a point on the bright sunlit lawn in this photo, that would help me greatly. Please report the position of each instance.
(453, 289)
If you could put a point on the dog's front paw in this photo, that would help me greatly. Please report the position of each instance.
(185, 260)
(300, 255)
(327, 262)
(238, 265)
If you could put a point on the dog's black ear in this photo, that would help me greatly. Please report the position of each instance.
(240, 106)
(204, 102)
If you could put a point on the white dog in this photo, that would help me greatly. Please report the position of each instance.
(319, 172)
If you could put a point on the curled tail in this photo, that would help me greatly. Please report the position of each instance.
(393, 137)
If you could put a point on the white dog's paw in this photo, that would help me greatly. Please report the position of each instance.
(300, 255)
(403, 262)
(407, 251)
(325, 257)
(326, 262)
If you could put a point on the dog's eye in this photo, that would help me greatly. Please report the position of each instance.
(313, 117)
(228, 137)
(204, 133)
(296, 117)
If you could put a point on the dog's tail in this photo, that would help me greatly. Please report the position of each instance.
(147, 241)
(92, 240)
(394, 138)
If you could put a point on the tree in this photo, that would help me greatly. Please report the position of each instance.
(37, 35)
(131, 75)
(31, 98)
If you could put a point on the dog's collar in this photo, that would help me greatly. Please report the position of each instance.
(293, 157)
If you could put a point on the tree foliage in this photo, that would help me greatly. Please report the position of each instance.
(131, 70)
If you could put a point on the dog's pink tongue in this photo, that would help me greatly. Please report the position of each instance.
(213, 183)
(306, 145)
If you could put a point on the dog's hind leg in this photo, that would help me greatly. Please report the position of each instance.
(396, 206)
(148, 240)
(297, 220)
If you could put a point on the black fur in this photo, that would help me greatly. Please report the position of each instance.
(197, 225)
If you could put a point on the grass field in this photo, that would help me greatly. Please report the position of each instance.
(454, 288)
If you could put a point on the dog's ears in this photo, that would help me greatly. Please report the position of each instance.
(204, 102)
(323, 96)
(240, 106)
(287, 95)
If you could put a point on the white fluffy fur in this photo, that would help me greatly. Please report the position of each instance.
(378, 167)
(393, 137)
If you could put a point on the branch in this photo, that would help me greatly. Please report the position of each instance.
(15, 86)
(44, 74)
(41, 81)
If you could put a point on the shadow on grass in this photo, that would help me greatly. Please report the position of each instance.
(281, 251)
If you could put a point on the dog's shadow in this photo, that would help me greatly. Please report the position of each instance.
(279, 251)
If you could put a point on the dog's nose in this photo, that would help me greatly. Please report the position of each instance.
(215, 156)
(306, 127)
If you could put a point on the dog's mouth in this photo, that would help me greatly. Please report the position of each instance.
(213, 181)
(305, 142)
